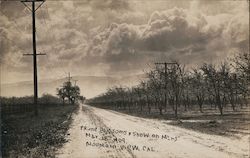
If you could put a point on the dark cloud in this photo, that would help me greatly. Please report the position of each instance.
(120, 36)
(177, 34)
(13, 9)
(119, 5)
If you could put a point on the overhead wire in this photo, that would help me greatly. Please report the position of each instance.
(42, 22)
(17, 28)
(52, 30)
(52, 37)
(45, 23)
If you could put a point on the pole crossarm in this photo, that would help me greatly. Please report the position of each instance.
(26, 6)
(24, 3)
(166, 64)
(35, 54)
(170, 63)
(33, 1)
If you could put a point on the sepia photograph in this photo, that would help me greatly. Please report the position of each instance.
(124, 79)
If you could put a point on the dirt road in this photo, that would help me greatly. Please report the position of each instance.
(99, 133)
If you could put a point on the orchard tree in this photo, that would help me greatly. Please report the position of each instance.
(198, 87)
(61, 94)
(176, 82)
(241, 63)
(216, 79)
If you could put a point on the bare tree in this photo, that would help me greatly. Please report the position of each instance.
(215, 81)
(241, 63)
(176, 82)
(198, 87)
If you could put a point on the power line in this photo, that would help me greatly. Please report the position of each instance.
(52, 37)
(48, 32)
(44, 20)
(16, 26)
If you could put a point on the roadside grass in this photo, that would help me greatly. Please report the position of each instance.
(25, 135)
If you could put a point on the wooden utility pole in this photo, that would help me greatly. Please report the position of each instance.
(166, 64)
(33, 9)
(75, 82)
(69, 78)
(165, 69)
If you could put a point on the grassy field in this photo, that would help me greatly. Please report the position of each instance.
(24, 135)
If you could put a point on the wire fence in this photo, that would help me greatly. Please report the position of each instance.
(7, 109)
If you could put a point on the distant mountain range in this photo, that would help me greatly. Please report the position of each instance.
(90, 85)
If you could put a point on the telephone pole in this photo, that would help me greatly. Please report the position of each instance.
(69, 78)
(33, 9)
(165, 69)
(166, 64)
(75, 82)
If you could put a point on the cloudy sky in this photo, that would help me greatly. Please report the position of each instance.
(119, 37)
